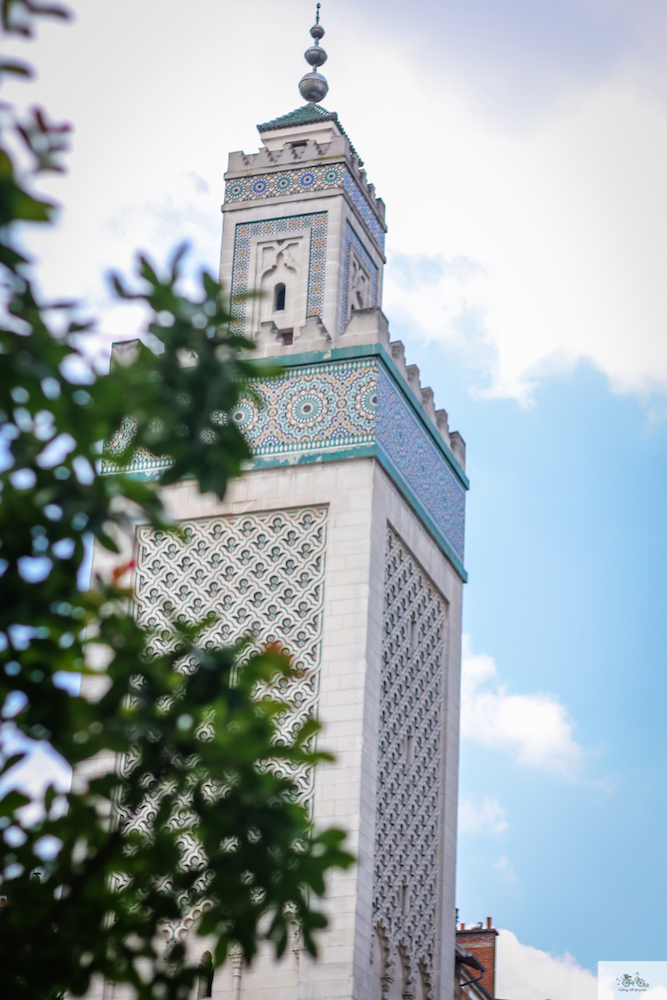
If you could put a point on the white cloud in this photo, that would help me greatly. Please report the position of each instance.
(489, 817)
(535, 728)
(568, 225)
(563, 218)
(526, 973)
(506, 869)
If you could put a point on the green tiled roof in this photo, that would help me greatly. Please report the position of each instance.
(309, 114)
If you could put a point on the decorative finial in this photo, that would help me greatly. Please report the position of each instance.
(313, 86)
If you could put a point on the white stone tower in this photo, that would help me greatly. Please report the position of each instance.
(344, 540)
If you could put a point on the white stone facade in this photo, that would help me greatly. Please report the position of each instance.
(377, 611)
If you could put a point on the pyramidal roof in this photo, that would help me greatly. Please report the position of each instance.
(309, 114)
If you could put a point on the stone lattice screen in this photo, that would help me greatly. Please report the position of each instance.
(408, 822)
(261, 574)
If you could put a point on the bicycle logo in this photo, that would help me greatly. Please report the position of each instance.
(634, 983)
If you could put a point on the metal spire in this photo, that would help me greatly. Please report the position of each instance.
(313, 86)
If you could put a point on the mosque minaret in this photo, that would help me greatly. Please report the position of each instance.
(343, 541)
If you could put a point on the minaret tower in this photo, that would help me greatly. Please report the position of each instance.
(343, 541)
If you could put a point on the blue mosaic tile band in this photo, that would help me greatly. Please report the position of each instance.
(296, 181)
(364, 209)
(351, 239)
(307, 409)
(312, 408)
(289, 182)
(321, 410)
(420, 463)
(245, 231)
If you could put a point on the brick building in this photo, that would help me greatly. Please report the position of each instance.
(476, 962)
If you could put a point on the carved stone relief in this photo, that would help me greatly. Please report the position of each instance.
(307, 236)
(280, 264)
(408, 821)
(261, 574)
(360, 289)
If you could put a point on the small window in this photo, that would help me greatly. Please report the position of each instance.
(288, 337)
(205, 987)
(279, 298)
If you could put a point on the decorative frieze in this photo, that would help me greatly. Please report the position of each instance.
(290, 182)
(334, 409)
(419, 462)
(312, 408)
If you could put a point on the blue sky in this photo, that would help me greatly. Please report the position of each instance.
(566, 547)
(521, 148)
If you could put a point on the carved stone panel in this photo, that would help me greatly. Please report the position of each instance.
(261, 574)
(247, 269)
(408, 821)
(281, 261)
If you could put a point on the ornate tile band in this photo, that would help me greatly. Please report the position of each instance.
(420, 462)
(287, 183)
(309, 409)
(321, 411)
(312, 409)
(364, 209)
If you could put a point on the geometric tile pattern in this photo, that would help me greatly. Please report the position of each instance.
(311, 408)
(351, 239)
(419, 462)
(261, 574)
(338, 406)
(408, 823)
(364, 209)
(289, 182)
(245, 231)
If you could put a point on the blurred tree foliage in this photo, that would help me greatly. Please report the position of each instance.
(85, 891)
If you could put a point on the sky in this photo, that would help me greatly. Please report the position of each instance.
(521, 149)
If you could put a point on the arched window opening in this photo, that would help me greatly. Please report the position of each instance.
(279, 297)
(205, 988)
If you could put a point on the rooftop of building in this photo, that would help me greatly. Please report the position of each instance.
(309, 114)
(478, 928)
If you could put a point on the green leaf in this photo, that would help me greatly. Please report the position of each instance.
(12, 801)
(9, 763)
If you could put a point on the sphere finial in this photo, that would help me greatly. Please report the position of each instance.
(313, 86)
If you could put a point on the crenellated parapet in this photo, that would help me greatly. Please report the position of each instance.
(304, 158)
(303, 153)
